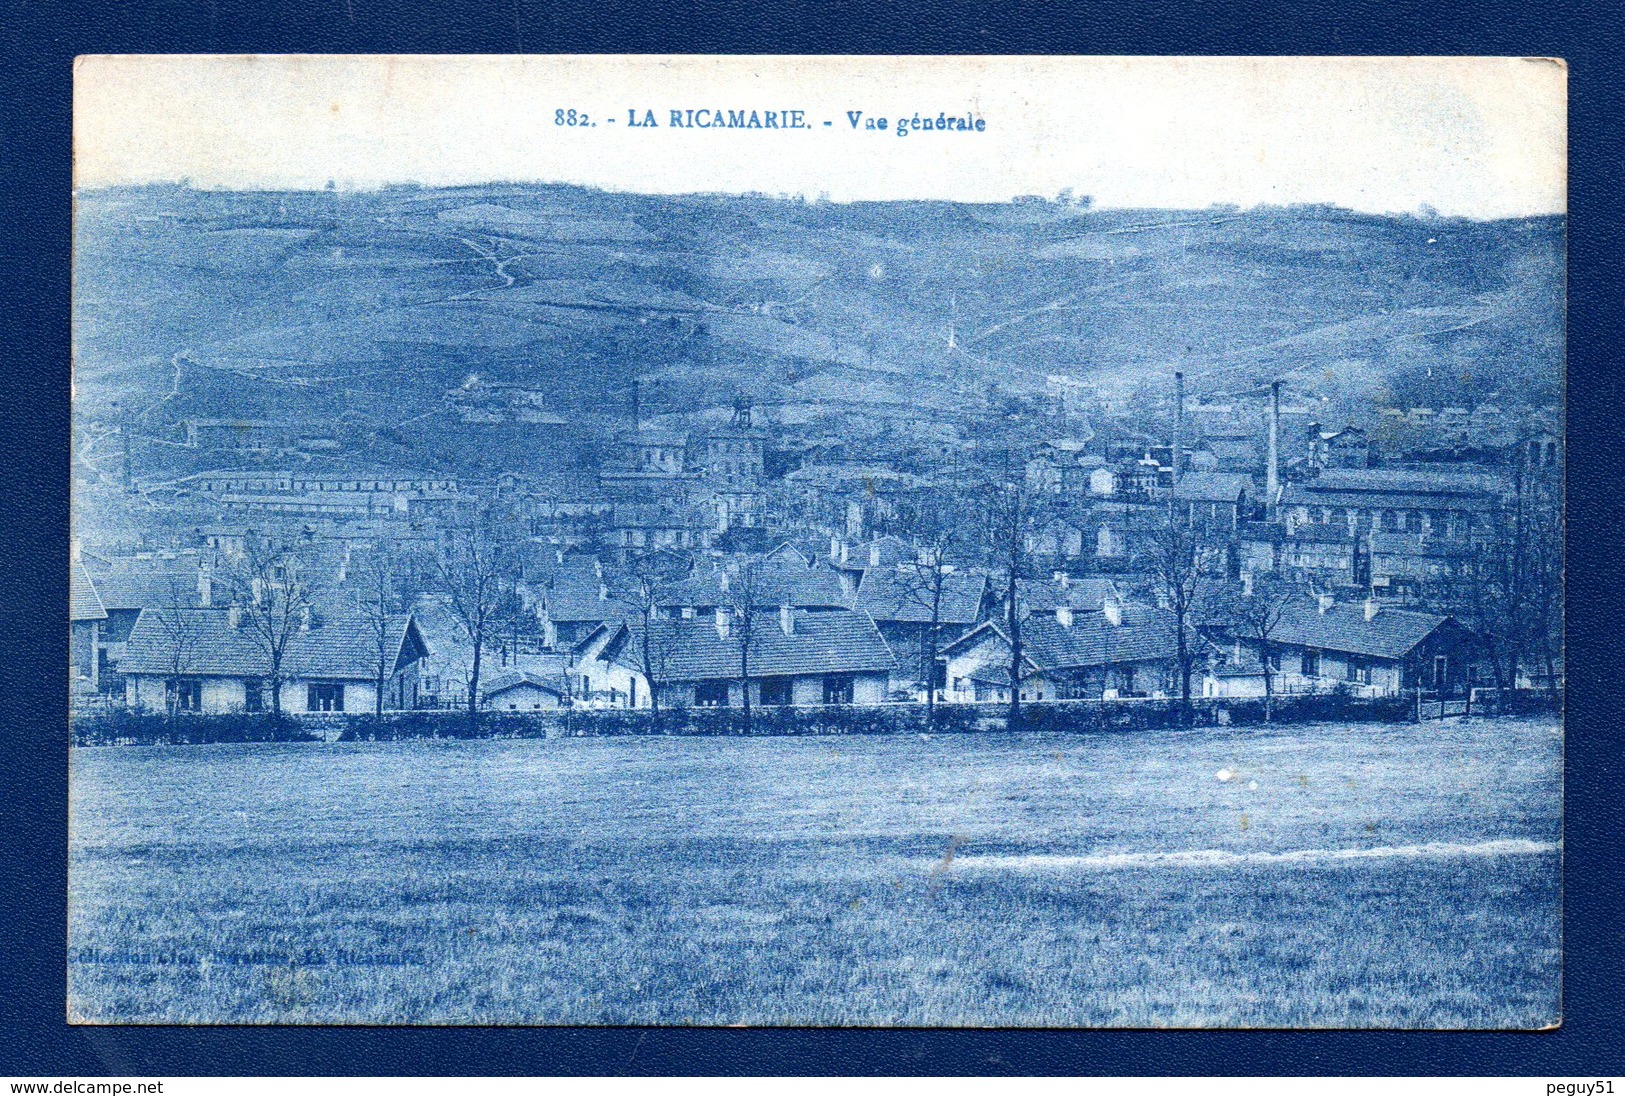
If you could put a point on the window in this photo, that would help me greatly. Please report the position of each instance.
(775, 690)
(1311, 663)
(186, 695)
(711, 694)
(253, 695)
(838, 689)
(325, 696)
(1125, 680)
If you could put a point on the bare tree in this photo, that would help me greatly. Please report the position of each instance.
(479, 572)
(924, 582)
(740, 601)
(655, 637)
(1255, 614)
(272, 590)
(1179, 565)
(1010, 516)
(1517, 592)
(182, 629)
(379, 599)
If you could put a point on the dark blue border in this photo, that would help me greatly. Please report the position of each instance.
(40, 40)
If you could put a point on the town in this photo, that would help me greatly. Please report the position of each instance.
(1063, 545)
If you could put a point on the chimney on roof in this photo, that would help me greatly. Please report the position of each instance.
(1371, 608)
(205, 584)
(603, 592)
(787, 620)
(1113, 609)
(304, 618)
(1324, 601)
(1062, 579)
(234, 617)
(834, 548)
(1063, 615)
(1246, 584)
(724, 622)
(598, 568)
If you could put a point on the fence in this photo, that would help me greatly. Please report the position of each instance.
(1058, 716)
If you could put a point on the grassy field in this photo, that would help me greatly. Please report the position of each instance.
(1341, 876)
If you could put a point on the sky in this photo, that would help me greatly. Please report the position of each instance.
(1475, 137)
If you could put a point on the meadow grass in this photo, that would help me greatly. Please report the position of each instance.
(957, 880)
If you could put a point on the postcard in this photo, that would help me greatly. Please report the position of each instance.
(1066, 542)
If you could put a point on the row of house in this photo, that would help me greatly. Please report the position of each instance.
(1080, 640)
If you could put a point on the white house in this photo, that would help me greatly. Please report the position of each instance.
(521, 691)
(1121, 650)
(210, 661)
(795, 657)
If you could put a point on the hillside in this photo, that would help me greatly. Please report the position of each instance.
(376, 304)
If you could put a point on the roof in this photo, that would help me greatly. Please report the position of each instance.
(1392, 633)
(820, 643)
(1145, 634)
(1416, 544)
(575, 591)
(1236, 450)
(83, 601)
(148, 584)
(782, 579)
(1404, 481)
(209, 646)
(1212, 486)
(1305, 494)
(882, 551)
(1088, 594)
(898, 595)
(502, 682)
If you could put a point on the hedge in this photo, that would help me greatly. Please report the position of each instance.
(1065, 717)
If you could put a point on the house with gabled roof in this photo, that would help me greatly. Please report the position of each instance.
(128, 585)
(901, 598)
(1122, 650)
(86, 615)
(1215, 501)
(796, 657)
(522, 691)
(781, 577)
(208, 661)
(1370, 649)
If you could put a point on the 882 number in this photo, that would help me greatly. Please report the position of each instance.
(570, 117)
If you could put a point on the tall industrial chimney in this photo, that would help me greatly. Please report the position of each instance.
(1272, 479)
(1179, 423)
